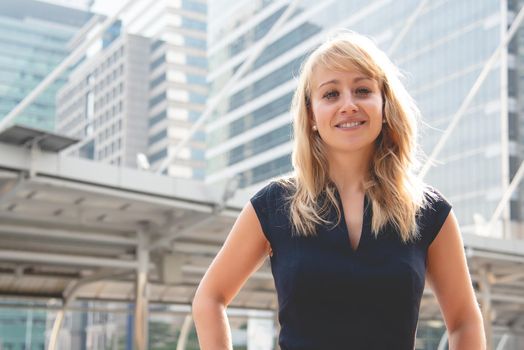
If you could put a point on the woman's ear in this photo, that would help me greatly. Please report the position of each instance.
(311, 118)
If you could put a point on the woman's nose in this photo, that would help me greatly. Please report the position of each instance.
(349, 104)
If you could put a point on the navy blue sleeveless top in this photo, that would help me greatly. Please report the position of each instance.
(333, 297)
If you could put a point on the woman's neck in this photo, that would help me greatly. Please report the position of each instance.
(349, 171)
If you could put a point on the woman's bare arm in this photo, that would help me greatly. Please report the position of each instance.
(243, 252)
(449, 278)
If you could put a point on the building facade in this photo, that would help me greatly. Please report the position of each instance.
(442, 54)
(159, 74)
(105, 103)
(33, 41)
(77, 4)
(177, 85)
(22, 329)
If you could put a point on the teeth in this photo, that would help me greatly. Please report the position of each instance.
(350, 125)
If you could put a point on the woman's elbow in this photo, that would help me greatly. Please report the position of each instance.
(203, 303)
(198, 305)
(469, 333)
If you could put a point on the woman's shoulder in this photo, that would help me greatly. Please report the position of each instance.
(434, 199)
(434, 212)
(271, 205)
(281, 187)
(273, 198)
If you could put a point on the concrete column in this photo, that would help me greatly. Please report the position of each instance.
(485, 303)
(141, 301)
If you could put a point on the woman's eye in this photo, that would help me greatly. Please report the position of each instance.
(331, 95)
(363, 91)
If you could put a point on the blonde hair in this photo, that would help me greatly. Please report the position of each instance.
(395, 192)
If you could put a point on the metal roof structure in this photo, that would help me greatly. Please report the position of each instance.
(73, 228)
(74, 218)
(44, 140)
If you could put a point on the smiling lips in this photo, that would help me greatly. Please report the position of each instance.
(350, 125)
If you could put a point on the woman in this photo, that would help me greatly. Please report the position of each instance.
(354, 233)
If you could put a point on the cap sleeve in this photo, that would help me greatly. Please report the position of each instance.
(262, 203)
(434, 214)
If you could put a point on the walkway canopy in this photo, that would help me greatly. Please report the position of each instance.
(65, 219)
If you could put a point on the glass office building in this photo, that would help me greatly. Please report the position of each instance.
(77, 4)
(33, 41)
(441, 54)
(142, 92)
(177, 83)
(21, 329)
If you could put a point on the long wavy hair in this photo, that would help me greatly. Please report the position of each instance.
(395, 192)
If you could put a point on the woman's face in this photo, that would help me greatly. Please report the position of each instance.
(347, 109)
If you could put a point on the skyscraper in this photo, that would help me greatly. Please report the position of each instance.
(33, 41)
(159, 73)
(177, 87)
(441, 53)
(105, 102)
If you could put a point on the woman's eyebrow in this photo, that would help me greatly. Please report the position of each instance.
(333, 81)
(357, 79)
(336, 81)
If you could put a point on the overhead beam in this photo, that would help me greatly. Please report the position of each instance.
(84, 209)
(63, 259)
(166, 239)
(509, 278)
(229, 190)
(120, 227)
(124, 194)
(67, 235)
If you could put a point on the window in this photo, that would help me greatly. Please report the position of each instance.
(157, 62)
(157, 118)
(193, 42)
(194, 6)
(157, 99)
(158, 155)
(158, 80)
(157, 137)
(193, 24)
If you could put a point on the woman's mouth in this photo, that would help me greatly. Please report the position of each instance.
(350, 125)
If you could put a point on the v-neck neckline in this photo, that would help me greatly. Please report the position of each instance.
(344, 225)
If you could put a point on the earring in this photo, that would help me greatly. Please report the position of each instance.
(314, 128)
(384, 121)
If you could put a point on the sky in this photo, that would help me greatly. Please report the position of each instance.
(106, 7)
